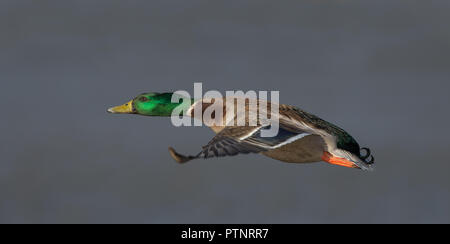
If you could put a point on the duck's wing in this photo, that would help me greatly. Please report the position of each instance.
(235, 140)
(225, 143)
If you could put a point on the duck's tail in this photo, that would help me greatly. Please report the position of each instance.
(350, 160)
(368, 157)
(365, 161)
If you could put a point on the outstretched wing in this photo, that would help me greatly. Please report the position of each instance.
(225, 143)
(235, 140)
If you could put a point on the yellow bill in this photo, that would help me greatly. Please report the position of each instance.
(126, 108)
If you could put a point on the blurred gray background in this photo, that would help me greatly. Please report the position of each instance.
(379, 69)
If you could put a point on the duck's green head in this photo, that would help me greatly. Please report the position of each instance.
(148, 104)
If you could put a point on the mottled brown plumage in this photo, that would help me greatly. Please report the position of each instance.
(311, 137)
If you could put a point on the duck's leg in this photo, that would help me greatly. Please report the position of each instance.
(180, 158)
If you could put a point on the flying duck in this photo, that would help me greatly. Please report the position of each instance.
(302, 137)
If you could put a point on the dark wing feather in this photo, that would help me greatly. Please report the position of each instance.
(225, 143)
(228, 142)
(221, 146)
(284, 136)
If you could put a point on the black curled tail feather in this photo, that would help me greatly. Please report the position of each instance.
(367, 157)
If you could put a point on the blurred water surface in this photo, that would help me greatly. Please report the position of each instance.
(379, 69)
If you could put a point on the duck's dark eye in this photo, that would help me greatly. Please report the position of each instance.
(143, 99)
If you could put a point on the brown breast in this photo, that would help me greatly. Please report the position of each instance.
(306, 150)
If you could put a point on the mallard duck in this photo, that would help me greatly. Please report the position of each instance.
(302, 137)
